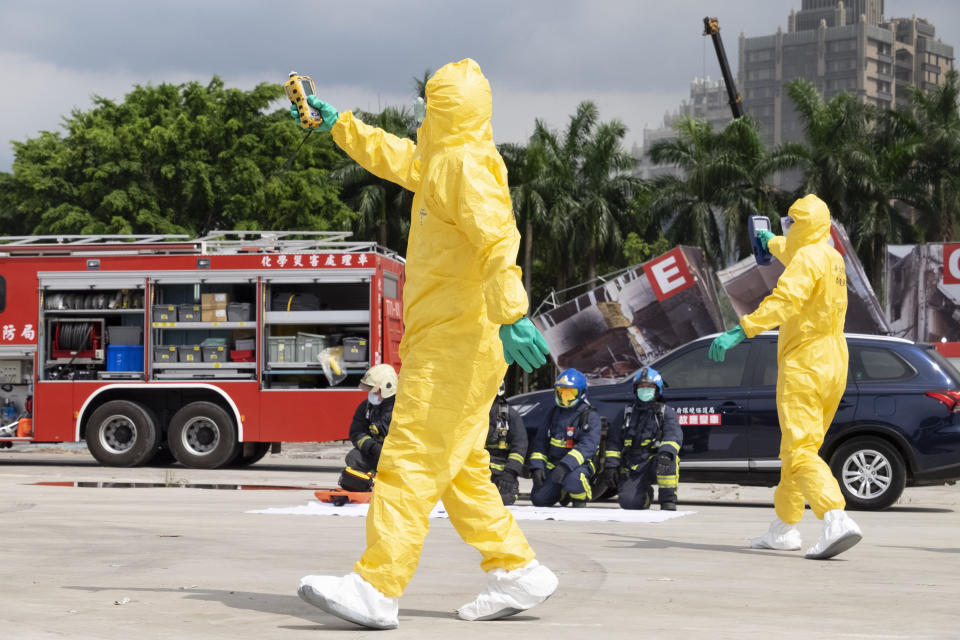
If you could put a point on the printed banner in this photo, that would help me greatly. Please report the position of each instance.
(922, 282)
(650, 309)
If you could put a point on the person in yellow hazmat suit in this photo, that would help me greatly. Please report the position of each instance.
(464, 306)
(809, 305)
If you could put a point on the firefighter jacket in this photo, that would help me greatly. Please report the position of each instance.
(569, 437)
(507, 439)
(369, 427)
(641, 430)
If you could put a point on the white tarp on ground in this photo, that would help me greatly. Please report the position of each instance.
(586, 514)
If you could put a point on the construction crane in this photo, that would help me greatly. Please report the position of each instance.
(711, 27)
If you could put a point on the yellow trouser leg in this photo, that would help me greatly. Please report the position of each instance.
(804, 415)
(476, 511)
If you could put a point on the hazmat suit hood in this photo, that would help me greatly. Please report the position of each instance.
(811, 225)
(459, 106)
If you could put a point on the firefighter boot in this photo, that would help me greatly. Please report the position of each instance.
(780, 536)
(668, 499)
(840, 533)
(351, 598)
(510, 592)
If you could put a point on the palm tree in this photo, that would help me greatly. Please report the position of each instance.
(836, 155)
(525, 173)
(937, 165)
(588, 186)
(855, 159)
(724, 179)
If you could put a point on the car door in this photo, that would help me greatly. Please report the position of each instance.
(710, 399)
(762, 408)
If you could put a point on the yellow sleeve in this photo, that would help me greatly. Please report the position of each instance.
(382, 154)
(777, 246)
(485, 215)
(793, 290)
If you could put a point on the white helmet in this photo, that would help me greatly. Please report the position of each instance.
(381, 378)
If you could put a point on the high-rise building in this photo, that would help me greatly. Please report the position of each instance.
(708, 101)
(839, 46)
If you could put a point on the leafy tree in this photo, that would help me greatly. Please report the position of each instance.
(526, 166)
(589, 185)
(855, 158)
(177, 158)
(937, 166)
(724, 179)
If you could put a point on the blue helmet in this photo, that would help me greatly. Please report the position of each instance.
(647, 376)
(569, 388)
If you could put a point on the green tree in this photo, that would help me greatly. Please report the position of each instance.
(589, 186)
(937, 166)
(526, 165)
(724, 178)
(177, 158)
(855, 158)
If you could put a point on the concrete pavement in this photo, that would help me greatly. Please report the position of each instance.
(177, 562)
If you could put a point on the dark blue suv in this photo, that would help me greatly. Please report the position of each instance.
(897, 424)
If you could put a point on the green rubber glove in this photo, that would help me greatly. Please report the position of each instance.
(523, 344)
(725, 341)
(327, 112)
(764, 236)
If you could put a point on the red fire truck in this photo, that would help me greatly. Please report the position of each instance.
(207, 350)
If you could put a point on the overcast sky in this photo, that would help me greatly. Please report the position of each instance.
(634, 58)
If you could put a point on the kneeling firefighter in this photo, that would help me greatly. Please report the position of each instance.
(643, 447)
(561, 463)
(507, 446)
(371, 421)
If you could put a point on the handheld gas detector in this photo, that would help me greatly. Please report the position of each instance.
(298, 88)
(754, 224)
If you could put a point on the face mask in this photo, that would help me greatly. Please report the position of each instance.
(645, 394)
(374, 398)
(419, 110)
(785, 223)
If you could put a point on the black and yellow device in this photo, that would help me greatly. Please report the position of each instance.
(298, 87)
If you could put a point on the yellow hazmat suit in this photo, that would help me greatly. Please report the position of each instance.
(809, 305)
(462, 284)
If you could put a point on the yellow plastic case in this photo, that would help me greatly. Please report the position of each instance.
(298, 88)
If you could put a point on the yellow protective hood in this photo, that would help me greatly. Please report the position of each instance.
(811, 224)
(459, 106)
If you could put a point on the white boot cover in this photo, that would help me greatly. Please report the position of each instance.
(780, 536)
(840, 533)
(351, 598)
(510, 592)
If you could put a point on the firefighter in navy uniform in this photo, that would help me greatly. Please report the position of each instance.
(643, 447)
(561, 462)
(371, 421)
(507, 445)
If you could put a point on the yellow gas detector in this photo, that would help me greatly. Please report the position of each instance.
(298, 88)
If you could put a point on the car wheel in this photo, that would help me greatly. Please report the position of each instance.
(871, 473)
(251, 453)
(121, 433)
(202, 435)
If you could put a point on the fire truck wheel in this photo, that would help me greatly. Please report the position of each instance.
(201, 435)
(121, 433)
(250, 453)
